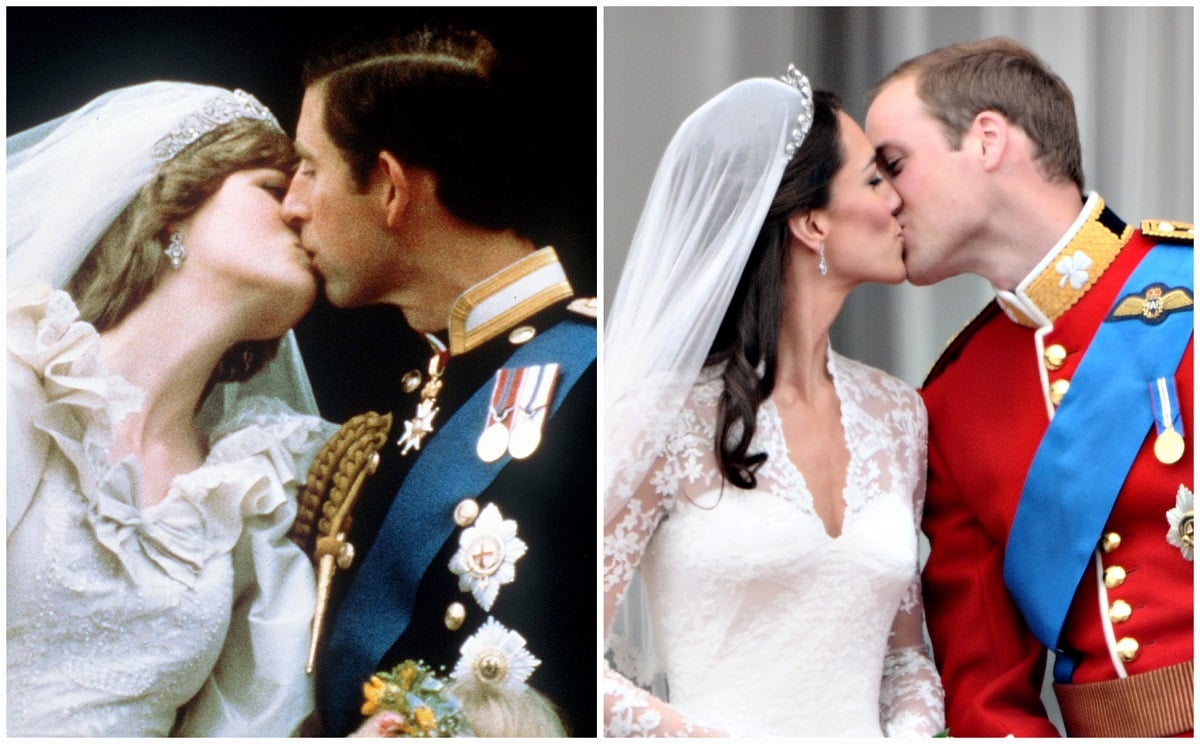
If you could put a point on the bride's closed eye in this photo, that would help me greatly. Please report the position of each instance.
(275, 186)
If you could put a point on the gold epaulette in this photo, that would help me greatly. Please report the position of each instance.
(327, 500)
(1171, 231)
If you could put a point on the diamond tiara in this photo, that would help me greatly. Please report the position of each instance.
(220, 110)
(804, 120)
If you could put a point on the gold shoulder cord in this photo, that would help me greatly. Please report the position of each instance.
(330, 490)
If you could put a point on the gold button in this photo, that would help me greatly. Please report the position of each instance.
(1058, 389)
(1128, 649)
(1114, 576)
(1120, 611)
(1055, 356)
(410, 381)
(466, 512)
(1110, 542)
(521, 335)
(455, 615)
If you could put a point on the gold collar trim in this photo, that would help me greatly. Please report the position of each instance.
(506, 298)
(1069, 270)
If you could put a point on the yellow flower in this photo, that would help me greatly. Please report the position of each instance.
(425, 718)
(372, 690)
(406, 677)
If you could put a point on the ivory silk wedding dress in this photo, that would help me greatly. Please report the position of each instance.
(765, 623)
(120, 614)
(189, 616)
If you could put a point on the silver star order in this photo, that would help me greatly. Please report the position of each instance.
(1180, 532)
(418, 427)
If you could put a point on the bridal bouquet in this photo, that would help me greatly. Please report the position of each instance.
(411, 701)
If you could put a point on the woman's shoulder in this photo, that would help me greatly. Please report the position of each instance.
(259, 452)
(44, 325)
(260, 423)
(870, 381)
(54, 363)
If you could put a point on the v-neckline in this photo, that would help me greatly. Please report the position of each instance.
(799, 474)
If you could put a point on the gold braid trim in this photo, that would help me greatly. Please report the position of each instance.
(335, 477)
(330, 490)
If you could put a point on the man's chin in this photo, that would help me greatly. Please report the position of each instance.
(919, 276)
(339, 297)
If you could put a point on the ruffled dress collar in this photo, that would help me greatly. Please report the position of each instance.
(246, 472)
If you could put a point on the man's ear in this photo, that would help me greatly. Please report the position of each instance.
(395, 190)
(991, 131)
(809, 228)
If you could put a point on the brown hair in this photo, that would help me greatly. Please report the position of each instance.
(749, 332)
(127, 261)
(958, 82)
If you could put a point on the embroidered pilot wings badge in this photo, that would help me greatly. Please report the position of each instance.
(1153, 305)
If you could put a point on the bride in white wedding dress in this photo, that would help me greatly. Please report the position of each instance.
(158, 431)
(767, 490)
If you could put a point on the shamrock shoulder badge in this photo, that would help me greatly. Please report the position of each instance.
(1181, 532)
(487, 555)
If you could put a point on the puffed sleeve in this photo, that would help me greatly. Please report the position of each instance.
(54, 378)
(259, 686)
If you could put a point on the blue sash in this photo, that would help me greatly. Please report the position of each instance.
(1088, 449)
(378, 604)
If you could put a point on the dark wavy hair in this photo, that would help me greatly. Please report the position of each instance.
(749, 332)
(442, 99)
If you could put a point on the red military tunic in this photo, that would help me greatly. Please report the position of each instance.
(990, 399)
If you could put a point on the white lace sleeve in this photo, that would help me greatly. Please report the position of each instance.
(911, 700)
(630, 710)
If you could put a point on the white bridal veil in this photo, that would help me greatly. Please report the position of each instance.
(706, 206)
(69, 178)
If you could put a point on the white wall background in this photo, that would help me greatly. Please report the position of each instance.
(1131, 70)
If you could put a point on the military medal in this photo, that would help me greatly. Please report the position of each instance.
(487, 555)
(493, 443)
(533, 401)
(1168, 446)
(421, 425)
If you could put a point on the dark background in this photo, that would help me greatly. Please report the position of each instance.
(59, 58)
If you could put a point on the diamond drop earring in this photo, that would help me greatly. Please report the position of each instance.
(822, 267)
(175, 250)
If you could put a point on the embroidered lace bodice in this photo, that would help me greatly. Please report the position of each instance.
(764, 624)
(119, 614)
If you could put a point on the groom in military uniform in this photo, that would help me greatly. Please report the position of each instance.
(472, 547)
(1059, 505)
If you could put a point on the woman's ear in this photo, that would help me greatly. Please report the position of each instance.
(391, 178)
(809, 228)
